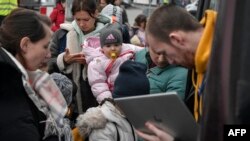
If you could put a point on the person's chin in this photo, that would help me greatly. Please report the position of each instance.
(162, 65)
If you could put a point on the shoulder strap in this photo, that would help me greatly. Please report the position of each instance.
(110, 65)
(131, 129)
(114, 18)
(118, 135)
(108, 69)
(114, 10)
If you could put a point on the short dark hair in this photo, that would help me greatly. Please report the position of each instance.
(168, 18)
(22, 23)
(140, 19)
(110, 2)
(90, 6)
(60, 1)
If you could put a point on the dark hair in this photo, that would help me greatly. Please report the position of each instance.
(60, 1)
(140, 19)
(168, 18)
(89, 6)
(22, 23)
(110, 2)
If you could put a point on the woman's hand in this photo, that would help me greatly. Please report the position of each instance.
(73, 58)
(159, 135)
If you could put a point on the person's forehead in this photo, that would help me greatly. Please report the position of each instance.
(157, 49)
(156, 45)
(82, 15)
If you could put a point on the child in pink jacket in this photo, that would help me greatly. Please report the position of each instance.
(104, 62)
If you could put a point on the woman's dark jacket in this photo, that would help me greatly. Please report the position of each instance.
(20, 120)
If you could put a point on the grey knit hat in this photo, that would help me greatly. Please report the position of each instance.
(65, 85)
(110, 36)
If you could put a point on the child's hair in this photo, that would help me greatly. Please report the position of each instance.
(110, 2)
(140, 19)
(60, 1)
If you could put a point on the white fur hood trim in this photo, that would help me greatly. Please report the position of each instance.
(66, 26)
(97, 117)
(90, 120)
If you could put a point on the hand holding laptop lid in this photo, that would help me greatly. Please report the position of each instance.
(165, 110)
(159, 135)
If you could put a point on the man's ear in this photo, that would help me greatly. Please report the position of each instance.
(176, 38)
(24, 44)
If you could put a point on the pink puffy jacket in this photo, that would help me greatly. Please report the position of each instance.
(102, 71)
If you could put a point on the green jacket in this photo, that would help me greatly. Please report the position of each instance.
(170, 78)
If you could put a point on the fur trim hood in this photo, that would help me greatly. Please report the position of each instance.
(101, 19)
(98, 117)
(66, 26)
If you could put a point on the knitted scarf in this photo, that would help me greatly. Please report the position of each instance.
(47, 97)
(201, 57)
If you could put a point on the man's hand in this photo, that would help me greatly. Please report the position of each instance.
(159, 135)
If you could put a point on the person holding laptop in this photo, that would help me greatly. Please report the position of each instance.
(186, 42)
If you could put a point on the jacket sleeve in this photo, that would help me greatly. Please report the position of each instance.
(91, 48)
(53, 17)
(97, 80)
(177, 82)
(132, 47)
(54, 49)
(72, 45)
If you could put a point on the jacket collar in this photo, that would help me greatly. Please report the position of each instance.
(5, 58)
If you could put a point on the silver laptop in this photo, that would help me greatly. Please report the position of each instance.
(166, 110)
